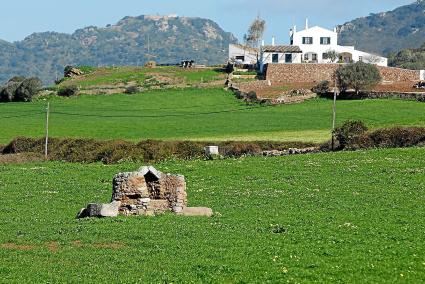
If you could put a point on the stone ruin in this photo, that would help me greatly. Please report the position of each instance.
(147, 192)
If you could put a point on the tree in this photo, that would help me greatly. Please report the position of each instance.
(27, 89)
(332, 55)
(255, 33)
(348, 132)
(7, 93)
(358, 76)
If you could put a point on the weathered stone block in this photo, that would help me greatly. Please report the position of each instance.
(211, 151)
(197, 211)
(100, 210)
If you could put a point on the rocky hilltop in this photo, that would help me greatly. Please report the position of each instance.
(132, 41)
(387, 32)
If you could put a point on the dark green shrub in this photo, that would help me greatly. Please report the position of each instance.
(252, 96)
(27, 90)
(16, 79)
(358, 76)
(349, 131)
(7, 93)
(322, 88)
(108, 152)
(132, 90)
(230, 68)
(237, 149)
(68, 91)
(397, 137)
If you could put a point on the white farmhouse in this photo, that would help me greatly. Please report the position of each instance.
(280, 54)
(316, 42)
(243, 54)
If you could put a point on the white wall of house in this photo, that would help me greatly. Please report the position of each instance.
(245, 55)
(316, 41)
(267, 58)
(422, 75)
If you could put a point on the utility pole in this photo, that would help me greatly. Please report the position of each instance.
(47, 130)
(334, 115)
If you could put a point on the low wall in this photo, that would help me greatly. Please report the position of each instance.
(251, 86)
(315, 72)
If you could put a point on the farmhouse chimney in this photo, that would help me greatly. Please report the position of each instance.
(273, 41)
(263, 43)
(306, 23)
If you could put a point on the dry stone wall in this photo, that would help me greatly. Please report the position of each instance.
(310, 72)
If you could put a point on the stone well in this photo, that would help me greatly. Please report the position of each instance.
(146, 192)
(149, 191)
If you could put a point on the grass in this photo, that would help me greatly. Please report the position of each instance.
(196, 114)
(113, 76)
(350, 217)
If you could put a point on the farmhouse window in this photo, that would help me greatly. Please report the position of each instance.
(361, 58)
(307, 40)
(288, 58)
(241, 57)
(275, 58)
(325, 40)
(306, 57)
(314, 57)
(325, 56)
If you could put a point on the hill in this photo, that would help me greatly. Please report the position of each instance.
(387, 32)
(132, 41)
(410, 58)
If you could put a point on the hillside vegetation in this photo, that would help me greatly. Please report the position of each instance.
(387, 32)
(132, 41)
(357, 218)
(410, 58)
(161, 77)
(196, 114)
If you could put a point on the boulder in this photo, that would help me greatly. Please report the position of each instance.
(100, 210)
(71, 72)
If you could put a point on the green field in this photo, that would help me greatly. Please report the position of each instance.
(112, 76)
(350, 217)
(196, 114)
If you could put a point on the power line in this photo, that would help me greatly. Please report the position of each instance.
(141, 109)
(17, 116)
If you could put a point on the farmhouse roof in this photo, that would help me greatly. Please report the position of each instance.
(245, 47)
(282, 48)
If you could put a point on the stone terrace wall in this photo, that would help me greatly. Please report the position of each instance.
(251, 86)
(310, 72)
(393, 74)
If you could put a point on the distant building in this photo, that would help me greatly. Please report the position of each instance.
(241, 54)
(316, 42)
(313, 45)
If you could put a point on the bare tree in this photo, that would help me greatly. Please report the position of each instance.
(255, 33)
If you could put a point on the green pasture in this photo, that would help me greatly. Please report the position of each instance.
(196, 114)
(349, 217)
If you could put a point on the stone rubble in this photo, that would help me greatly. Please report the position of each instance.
(291, 151)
